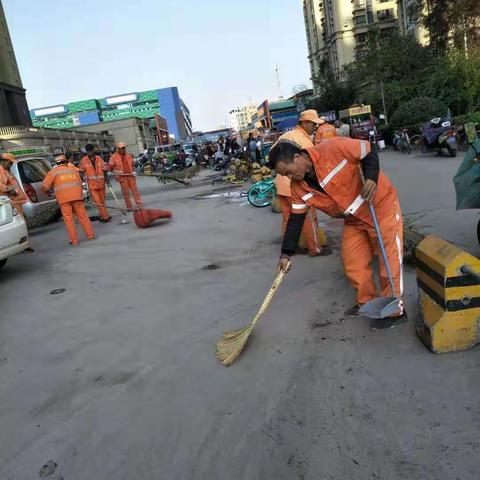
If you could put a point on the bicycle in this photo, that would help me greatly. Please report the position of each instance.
(261, 194)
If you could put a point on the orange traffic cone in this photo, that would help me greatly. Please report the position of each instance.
(146, 216)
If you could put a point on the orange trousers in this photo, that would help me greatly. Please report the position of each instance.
(309, 230)
(72, 210)
(130, 184)
(98, 198)
(360, 245)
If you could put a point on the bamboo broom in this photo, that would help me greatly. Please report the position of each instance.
(231, 345)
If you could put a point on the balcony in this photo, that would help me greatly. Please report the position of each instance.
(385, 15)
(359, 5)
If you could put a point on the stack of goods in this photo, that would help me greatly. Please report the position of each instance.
(260, 173)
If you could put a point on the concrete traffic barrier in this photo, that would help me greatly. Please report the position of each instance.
(448, 296)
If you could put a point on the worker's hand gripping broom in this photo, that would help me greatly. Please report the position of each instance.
(230, 346)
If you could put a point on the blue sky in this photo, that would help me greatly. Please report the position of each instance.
(219, 53)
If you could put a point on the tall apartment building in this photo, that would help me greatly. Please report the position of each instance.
(13, 104)
(337, 29)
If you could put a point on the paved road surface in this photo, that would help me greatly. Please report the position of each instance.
(116, 379)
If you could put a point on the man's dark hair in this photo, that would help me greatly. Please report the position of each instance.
(89, 147)
(68, 155)
(282, 152)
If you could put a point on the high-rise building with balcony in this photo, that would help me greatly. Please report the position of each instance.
(13, 104)
(337, 29)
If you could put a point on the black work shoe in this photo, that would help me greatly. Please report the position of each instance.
(389, 322)
(353, 311)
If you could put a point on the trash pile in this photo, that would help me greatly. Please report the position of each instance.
(260, 173)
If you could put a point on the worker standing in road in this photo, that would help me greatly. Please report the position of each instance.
(301, 136)
(67, 185)
(94, 169)
(324, 131)
(121, 163)
(9, 185)
(327, 177)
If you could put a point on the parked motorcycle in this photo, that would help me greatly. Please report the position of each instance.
(439, 135)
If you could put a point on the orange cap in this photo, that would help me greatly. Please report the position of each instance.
(60, 158)
(8, 156)
(310, 116)
(121, 145)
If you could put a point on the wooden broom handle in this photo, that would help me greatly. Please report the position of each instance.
(266, 302)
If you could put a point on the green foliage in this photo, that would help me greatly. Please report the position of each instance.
(473, 117)
(417, 111)
(450, 23)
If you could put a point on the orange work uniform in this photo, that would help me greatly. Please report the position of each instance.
(299, 137)
(94, 172)
(18, 197)
(336, 168)
(122, 166)
(325, 131)
(67, 185)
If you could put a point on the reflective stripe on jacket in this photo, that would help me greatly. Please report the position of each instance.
(66, 183)
(94, 174)
(116, 164)
(336, 167)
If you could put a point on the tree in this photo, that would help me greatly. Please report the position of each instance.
(450, 23)
(334, 94)
(417, 111)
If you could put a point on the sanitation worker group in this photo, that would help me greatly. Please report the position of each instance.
(66, 183)
(327, 175)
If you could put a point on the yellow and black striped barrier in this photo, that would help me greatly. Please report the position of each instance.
(448, 295)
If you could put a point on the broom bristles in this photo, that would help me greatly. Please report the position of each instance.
(231, 345)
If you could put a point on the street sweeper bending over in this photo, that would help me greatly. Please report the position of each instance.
(327, 177)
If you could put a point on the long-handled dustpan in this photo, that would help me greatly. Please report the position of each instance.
(381, 307)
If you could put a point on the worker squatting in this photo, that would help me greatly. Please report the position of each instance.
(65, 182)
(326, 174)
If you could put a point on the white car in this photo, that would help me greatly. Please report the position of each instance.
(13, 231)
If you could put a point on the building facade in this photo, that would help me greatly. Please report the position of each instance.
(337, 29)
(165, 102)
(241, 117)
(135, 132)
(13, 104)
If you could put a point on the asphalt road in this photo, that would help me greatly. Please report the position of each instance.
(116, 378)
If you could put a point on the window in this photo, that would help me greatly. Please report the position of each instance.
(361, 20)
(33, 171)
(360, 38)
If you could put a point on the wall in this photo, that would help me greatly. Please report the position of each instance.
(133, 131)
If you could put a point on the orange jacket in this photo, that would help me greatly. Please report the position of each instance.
(336, 167)
(301, 138)
(95, 174)
(116, 164)
(325, 131)
(66, 183)
(7, 180)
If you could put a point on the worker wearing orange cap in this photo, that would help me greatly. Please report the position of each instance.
(301, 136)
(94, 169)
(324, 131)
(9, 185)
(67, 185)
(121, 163)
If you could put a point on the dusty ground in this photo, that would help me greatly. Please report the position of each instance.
(116, 378)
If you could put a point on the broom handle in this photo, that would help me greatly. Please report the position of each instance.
(266, 302)
(116, 200)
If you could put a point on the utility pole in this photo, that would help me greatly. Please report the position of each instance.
(383, 102)
(277, 75)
